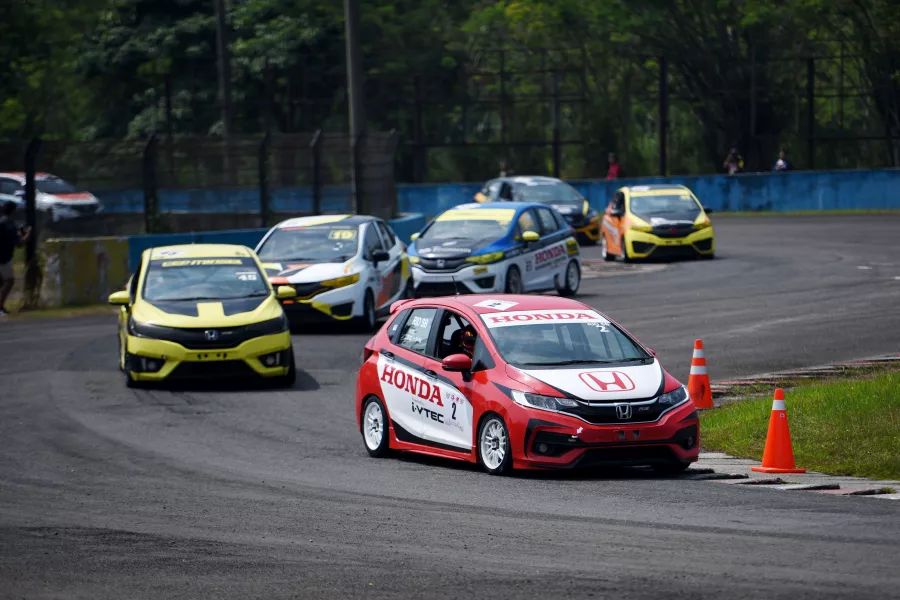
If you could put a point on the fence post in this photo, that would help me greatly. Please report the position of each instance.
(151, 198)
(811, 113)
(33, 274)
(360, 191)
(316, 147)
(263, 164)
(419, 161)
(663, 115)
(556, 148)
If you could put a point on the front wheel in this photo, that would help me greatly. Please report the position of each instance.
(375, 428)
(493, 446)
(366, 322)
(572, 279)
(514, 281)
(288, 379)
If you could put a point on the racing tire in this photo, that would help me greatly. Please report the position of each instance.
(624, 247)
(375, 431)
(707, 256)
(572, 280)
(513, 281)
(604, 250)
(672, 468)
(494, 449)
(288, 379)
(369, 319)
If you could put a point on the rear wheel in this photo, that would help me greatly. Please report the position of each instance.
(572, 279)
(604, 250)
(375, 428)
(514, 281)
(493, 446)
(672, 468)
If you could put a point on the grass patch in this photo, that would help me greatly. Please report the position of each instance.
(57, 313)
(847, 427)
(809, 213)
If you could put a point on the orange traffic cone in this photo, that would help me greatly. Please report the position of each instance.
(778, 457)
(698, 381)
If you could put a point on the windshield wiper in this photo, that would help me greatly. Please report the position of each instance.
(586, 362)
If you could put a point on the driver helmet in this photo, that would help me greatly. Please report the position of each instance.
(467, 340)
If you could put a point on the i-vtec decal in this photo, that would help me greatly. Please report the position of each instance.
(430, 414)
(409, 383)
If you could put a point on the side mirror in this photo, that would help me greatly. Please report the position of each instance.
(708, 211)
(121, 298)
(414, 237)
(380, 256)
(457, 363)
(284, 292)
(530, 236)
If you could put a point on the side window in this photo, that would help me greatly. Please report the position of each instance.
(506, 192)
(371, 242)
(619, 201)
(548, 222)
(491, 189)
(414, 336)
(133, 282)
(9, 186)
(560, 222)
(481, 358)
(527, 222)
(450, 334)
(386, 234)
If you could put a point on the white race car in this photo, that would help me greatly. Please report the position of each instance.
(343, 267)
(511, 247)
(54, 196)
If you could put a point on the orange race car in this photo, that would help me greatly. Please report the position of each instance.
(656, 221)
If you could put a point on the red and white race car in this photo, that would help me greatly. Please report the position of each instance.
(527, 382)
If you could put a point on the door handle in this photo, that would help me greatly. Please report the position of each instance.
(387, 354)
(430, 373)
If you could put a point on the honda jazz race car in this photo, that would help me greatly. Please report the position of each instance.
(527, 382)
(343, 267)
(511, 247)
(202, 311)
(656, 221)
(58, 198)
(547, 190)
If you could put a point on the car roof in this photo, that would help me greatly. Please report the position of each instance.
(20, 175)
(495, 205)
(325, 220)
(656, 189)
(200, 251)
(522, 302)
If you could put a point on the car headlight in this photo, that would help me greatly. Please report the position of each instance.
(639, 227)
(702, 223)
(484, 259)
(341, 281)
(676, 396)
(272, 326)
(414, 260)
(543, 402)
(591, 214)
(138, 329)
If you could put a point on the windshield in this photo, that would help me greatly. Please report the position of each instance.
(470, 224)
(203, 279)
(670, 203)
(549, 193)
(317, 243)
(55, 185)
(537, 338)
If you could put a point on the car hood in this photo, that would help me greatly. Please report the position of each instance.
(457, 248)
(207, 313)
(606, 383)
(305, 272)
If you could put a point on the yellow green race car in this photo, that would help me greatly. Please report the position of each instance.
(203, 311)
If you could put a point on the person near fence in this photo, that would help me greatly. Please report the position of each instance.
(734, 162)
(782, 164)
(10, 238)
(615, 169)
(505, 171)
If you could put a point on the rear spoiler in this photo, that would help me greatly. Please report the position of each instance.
(399, 304)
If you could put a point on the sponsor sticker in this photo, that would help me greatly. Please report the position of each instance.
(169, 253)
(497, 304)
(536, 317)
(201, 262)
(503, 216)
(247, 276)
(342, 234)
(549, 256)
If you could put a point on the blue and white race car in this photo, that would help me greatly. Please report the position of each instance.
(511, 247)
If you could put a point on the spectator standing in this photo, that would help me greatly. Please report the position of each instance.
(615, 169)
(734, 162)
(10, 238)
(782, 164)
(505, 171)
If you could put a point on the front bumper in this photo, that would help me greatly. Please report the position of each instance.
(341, 304)
(179, 362)
(546, 440)
(646, 245)
(591, 230)
(470, 279)
(72, 210)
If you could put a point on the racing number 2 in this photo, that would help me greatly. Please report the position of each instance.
(453, 416)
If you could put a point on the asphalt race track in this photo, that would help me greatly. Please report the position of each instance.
(241, 493)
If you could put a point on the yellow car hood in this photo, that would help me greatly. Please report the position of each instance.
(207, 313)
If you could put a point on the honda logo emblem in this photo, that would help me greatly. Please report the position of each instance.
(623, 411)
(211, 335)
(440, 263)
(607, 381)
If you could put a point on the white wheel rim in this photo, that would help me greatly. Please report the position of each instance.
(493, 444)
(373, 429)
(603, 250)
(572, 276)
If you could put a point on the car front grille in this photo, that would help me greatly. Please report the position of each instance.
(605, 414)
(213, 368)
(673, 231)
(448, 264)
